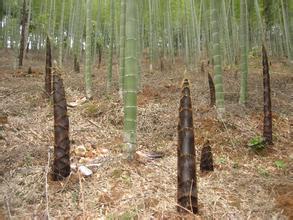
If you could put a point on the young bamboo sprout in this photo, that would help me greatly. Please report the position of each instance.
(267, 129)
(206, 159)
(76, 64)
(61, 164)
(186, 173)
(212, 91)
(29, 71)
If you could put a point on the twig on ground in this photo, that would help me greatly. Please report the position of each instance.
(46, 184)
(187, 210)
(93, 123)
(63, 186)
(225, 126)
(82, 195)
(6, 198)
(36, 135)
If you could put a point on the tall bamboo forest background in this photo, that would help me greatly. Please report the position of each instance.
(225, 32)
(133, 47)
(164, 28)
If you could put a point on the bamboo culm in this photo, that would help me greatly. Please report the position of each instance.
(23, 31)
(48, 69)
(130, 79)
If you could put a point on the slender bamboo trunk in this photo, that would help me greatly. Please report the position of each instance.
(234, 33)
(244, 52)
(69, 29)
(226, 33)
(207, 39)
(186, 38)
(112, 36)
(77, 36)
(23, 30)
(53, 21)
(48, 69)
(61, 34)
(170, 31)
(26, 40)
(50, 17)
(259, 20)
(122, 44)
(151, 36)
(287, 32)
(88, 59)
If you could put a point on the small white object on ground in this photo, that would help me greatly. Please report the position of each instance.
(80, 151)
(77, 102)
(85, 171)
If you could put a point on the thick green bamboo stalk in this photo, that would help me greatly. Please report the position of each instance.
(259, 20)
(194, 33)
(234, 33)
(109, 80)
(226, 33)
(138, 46)
(186, 36)
(206, 19)
(88, 59)
(287, 32)
(130, 79)
(244, 51)
(78, 32)
(122, 43)
(170, 31)
(50, 17)
(53, 20)
(280, 40)
(217, 57)
(151, 36)
(61, 34)
(197, 30)
(70, 28)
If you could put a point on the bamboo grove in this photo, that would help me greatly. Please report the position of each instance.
(219, 32)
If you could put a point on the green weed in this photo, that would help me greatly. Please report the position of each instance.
(256, 143)
(280, 164)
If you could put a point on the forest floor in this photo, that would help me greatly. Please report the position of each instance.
(244, 185)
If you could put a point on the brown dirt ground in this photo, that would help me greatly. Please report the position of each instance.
(244, 185)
